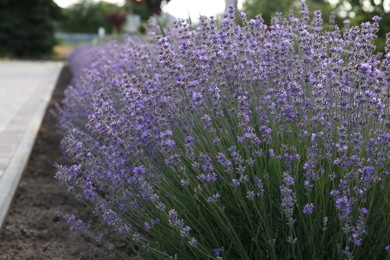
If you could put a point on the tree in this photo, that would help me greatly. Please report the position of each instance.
(364, 10)
(117, 19)
(27, 27)
(356, 11)
(87, 16)
(268, 8)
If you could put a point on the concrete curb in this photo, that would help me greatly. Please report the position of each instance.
(18, 137)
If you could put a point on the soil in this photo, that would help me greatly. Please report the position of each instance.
(32, 230)
(60, 52)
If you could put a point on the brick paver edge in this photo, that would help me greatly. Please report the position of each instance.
(12, 174)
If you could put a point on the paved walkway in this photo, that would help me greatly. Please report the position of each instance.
(25, 90)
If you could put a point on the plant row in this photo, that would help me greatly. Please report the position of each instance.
(235, 140)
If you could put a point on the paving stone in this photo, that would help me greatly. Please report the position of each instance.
(25, 91)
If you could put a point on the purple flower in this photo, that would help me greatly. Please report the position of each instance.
(363, 211)
(72, 218)
(211, 177)
(235, 183)
(174, 220)
(189, 139)
(260, 187)
(170, 143)
(202, 177)
(197, 97)
(184, 231)
(139, 170)
(141, 120)
(214, 198)
(225, 162)
(250, 195)
(344, 206)
(288, 179)
(334, 193)
(147, 225)
(308, 209)
(219, 251)
(193, 242)
(364, 67)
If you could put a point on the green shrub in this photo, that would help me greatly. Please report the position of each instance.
(26, 27)
(87, 16)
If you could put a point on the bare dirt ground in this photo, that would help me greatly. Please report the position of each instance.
(61, 52)
(32, 230)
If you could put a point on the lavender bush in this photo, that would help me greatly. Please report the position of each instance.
(238, 142)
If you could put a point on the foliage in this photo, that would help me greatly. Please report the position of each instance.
(268, 8)
(236, 142)
(356, 11)
(145, 9)
(87, 16)
(117, 19)
(364, 11)
(143, 12)
(26, 27)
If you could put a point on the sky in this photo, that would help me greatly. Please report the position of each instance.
(177, 8)
(66, 3)
(195, 8)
